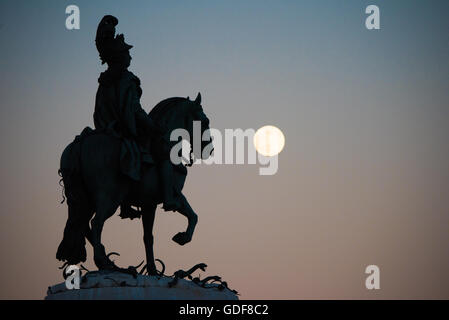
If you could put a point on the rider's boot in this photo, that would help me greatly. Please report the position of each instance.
(166, 170)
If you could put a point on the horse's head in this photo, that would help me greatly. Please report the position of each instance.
(195, 112)
(183, 113)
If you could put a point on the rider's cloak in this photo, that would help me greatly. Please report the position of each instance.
(118, 111)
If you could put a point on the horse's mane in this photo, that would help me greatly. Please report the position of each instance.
(165, 106)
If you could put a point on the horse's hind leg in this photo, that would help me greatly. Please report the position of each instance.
(148, 213)
(105, 209)
(88, 235)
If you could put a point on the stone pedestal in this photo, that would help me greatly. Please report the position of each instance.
(121, 286)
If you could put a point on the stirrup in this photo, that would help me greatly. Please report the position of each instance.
(128, 212)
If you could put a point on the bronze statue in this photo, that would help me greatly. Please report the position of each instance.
(125, 160)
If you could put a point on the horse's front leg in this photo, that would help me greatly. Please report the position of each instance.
(186, 210)
(148, 213)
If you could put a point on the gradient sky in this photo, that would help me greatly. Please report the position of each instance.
(363, 178)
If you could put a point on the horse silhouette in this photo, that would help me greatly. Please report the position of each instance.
(95, 187)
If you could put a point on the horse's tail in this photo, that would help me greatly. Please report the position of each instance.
(72, 247)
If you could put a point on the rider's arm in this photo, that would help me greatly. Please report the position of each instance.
(143, 120)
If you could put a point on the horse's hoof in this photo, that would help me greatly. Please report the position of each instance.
(152, 271)
(105, 264)
(106, 267)
(181, 238)
(131, 270)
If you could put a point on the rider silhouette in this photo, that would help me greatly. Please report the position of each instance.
(118, 111)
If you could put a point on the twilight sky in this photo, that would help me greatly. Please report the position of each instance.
(363, 178)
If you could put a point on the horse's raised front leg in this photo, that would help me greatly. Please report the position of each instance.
(184, 237)
(148, 213)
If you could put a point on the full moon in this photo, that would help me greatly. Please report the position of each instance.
(269, 141)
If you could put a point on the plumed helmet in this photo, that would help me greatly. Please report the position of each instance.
(108, 45)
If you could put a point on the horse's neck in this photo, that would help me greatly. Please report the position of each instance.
(176, 119)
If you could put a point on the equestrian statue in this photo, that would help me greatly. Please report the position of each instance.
(125, 161)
